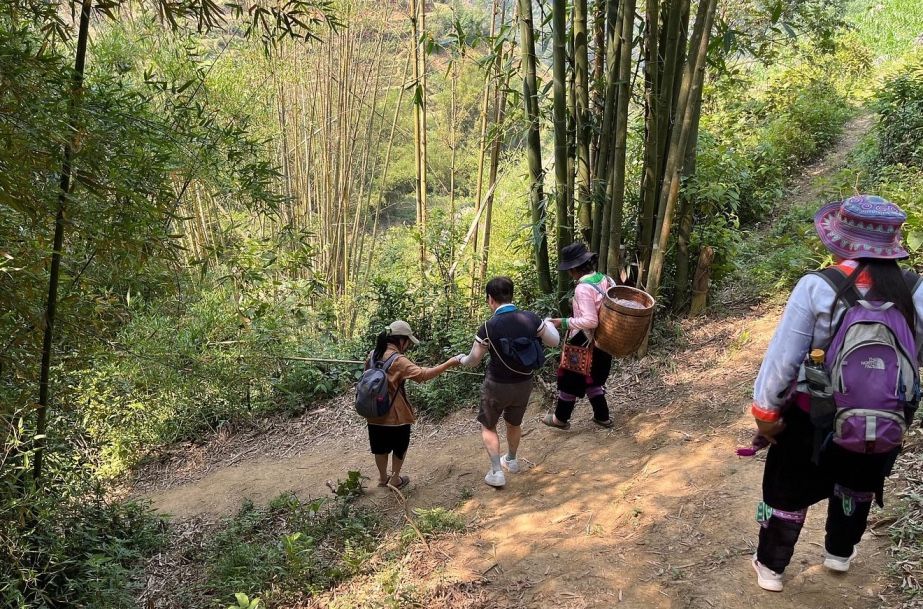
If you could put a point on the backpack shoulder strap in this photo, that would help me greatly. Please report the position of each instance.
(387, 363)
(913, 281)
(837, 280)
(496, 352)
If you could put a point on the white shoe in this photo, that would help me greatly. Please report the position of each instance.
(510, 464)
(496, 478)
(766, 578)
(837, 563)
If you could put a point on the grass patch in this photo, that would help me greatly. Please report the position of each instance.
(282, 553)
(771, 263)
(431, 523)
(889, 27)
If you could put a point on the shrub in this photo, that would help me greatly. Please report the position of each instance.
(60, 551)
(899, 104)
(289, 549)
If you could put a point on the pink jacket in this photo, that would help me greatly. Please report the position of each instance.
(586, 303)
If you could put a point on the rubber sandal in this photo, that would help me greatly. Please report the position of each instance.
(548, 420)
(607, 423)
(405, 480)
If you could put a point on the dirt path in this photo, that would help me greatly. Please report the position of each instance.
(655, 513)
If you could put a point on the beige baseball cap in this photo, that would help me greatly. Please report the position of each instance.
(399, 327)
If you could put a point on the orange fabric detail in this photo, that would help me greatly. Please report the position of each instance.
(864, 280)
(764, 414)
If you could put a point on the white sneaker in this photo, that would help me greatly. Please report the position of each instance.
(837, 563)
(766, 578)
(510, 464)
(496, 478)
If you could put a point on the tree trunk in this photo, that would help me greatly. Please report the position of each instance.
(621, 137)
(692, 80)
(687, 213)
(418, 127)
(597, 99)
(582, 186)
(382, 180)
(494, 166)
(702, 281)
(602, 175)
(672, 53)
(51, 306)
(559, 59)
(424, 136)
(453, 139)
(652, 156)
(534, 146)
(482, 150)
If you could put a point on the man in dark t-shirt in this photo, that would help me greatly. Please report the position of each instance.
(508, 383)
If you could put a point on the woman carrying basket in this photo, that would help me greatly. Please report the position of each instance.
(580, 263)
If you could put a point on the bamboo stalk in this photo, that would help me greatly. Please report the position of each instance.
(534, 146)
(51, 306)
(693, 79)
(621, 137)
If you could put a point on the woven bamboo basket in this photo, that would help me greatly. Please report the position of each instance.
(623, 327)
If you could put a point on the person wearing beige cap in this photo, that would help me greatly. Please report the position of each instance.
(389, 434)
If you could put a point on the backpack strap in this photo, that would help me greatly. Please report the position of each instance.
(385, 366)
(913, 281)
(837, 280)
(500, 357)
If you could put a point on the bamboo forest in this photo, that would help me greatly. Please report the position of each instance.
(219, 219)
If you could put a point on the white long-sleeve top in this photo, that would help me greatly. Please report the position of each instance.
(805, 325)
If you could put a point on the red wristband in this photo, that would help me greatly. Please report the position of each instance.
(764, 414)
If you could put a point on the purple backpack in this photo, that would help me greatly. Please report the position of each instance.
(872, 366)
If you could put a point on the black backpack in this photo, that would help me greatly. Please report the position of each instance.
(526, 352)
(372, 396)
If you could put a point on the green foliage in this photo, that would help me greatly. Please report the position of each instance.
(290, 549)
(242, 601)
(889, 27)
(432, 522)
(82, 552)
(899, 105)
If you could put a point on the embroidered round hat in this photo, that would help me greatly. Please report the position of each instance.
(574, 255)
(863, 226)
(399, 327)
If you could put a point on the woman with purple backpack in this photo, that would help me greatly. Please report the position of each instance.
(838, 386)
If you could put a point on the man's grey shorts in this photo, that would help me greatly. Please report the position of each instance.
(507, 399)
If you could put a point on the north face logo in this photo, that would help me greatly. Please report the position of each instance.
(874, 363)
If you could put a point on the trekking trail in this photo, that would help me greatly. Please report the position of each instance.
(655, 513)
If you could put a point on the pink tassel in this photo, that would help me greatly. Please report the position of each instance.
(757, 444)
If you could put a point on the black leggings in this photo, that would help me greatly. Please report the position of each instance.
(792, 483)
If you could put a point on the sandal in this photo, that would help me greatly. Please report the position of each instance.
(548, 420)
(607, 423)
(405, 480)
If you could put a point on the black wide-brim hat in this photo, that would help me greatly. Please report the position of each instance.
(574, 255)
